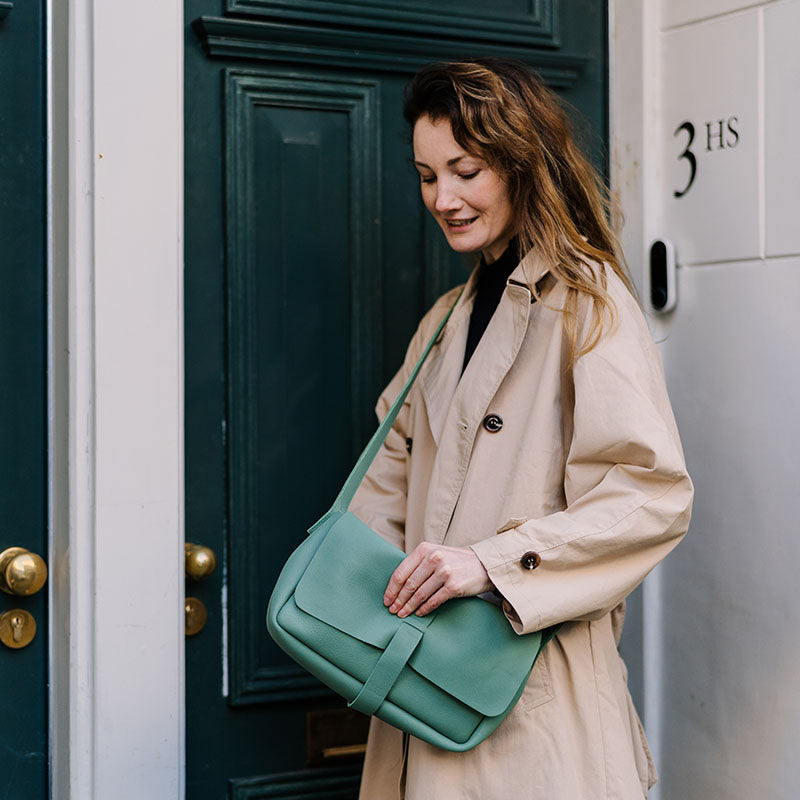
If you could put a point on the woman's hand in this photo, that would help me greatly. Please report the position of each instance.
(433, 574)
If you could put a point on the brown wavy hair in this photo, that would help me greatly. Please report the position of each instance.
(499, 110)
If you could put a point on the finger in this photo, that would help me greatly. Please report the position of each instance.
(428, 589)
(399, 577)
(413, 583)
(434, 601)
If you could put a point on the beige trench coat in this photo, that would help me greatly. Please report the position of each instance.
(587, 471)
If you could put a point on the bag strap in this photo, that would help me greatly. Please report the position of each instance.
(374, 445)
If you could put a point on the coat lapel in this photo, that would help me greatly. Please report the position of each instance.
(471, 396)
(456, 404)
(439, 376)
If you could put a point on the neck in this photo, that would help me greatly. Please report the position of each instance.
(497, 250)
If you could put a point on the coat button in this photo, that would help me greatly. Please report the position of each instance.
(530, 560)
(492, 423)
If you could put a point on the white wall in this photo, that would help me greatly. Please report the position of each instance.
(722, 615)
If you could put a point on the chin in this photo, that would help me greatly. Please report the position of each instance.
(462, 245)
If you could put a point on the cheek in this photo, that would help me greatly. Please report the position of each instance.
(505, 212)
(492, 197)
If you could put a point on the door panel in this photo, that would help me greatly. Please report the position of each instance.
(309, 261)
(301, 167)
(23, 432)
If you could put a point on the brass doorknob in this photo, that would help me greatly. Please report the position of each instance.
(200, 561)
(21, 572)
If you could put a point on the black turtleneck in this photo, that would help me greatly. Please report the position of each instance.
(491, 283)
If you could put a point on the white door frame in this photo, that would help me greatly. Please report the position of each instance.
(635, 174)
(115, 101)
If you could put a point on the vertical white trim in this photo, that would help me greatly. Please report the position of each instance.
(57, 208)
(116, 400)
(634, 112)
(762, 144)
(72, 390)
(635, 134)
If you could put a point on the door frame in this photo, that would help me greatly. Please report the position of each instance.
(635, 178)
(115, 264)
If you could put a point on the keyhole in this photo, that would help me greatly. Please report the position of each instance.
(17, 626)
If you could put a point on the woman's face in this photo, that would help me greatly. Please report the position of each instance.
(468, 199)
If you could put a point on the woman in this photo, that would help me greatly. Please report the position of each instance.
(536, 456)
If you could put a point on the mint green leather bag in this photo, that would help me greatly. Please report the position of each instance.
(449, 678)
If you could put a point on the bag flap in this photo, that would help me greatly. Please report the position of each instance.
(344, 582)
(469, 648)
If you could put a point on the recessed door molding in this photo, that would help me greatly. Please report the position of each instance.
(261, 40)
(525, 22)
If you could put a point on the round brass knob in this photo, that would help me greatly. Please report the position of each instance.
(200, 561)
(21, 572)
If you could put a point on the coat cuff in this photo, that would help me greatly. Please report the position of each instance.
(512, 581)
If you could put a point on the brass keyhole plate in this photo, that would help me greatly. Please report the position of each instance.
(196, 616)
(17, 628)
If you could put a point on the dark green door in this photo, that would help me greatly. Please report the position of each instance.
(23, 419)
(309, 260)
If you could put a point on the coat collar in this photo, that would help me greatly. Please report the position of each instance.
(531, 269)
(440, 377)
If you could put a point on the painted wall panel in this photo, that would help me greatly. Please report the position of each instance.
(711, 139)
(782, 120)
(679, 12)
(731, 599)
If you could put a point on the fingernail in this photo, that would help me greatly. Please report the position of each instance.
(393, 608)
(402, 613)
(385, 600)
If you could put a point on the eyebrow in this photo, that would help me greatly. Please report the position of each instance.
(449, 163)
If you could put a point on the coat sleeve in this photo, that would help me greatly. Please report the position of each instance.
(628, 495)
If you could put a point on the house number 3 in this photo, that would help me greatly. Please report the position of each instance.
(722, 134)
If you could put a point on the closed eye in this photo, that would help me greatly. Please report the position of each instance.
(470, 175)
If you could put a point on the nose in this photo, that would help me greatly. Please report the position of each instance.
(446, 198)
